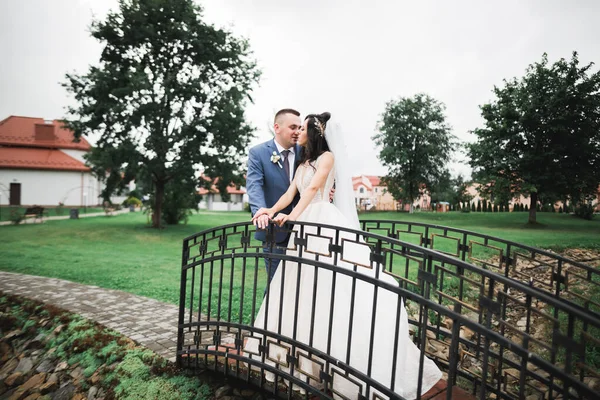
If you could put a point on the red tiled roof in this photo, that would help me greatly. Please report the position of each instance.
(373, 180)
(24, 158)
(21, 131)
(231, 189)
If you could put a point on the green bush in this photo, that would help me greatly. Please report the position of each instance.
(132, 201)
(16, 216)
(585, 211)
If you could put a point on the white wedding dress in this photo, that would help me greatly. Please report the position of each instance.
(355, 252)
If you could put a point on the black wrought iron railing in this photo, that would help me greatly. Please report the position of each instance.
(569, 280)
(491, 334)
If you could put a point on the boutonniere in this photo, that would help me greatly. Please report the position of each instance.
(275, 159)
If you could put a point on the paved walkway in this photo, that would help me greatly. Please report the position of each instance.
(57, 217)
(149, 322)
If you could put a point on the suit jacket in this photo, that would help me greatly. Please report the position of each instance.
(266, 182)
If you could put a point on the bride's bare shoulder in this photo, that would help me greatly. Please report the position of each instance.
(326, 158)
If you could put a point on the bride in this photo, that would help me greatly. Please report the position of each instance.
(346, 332)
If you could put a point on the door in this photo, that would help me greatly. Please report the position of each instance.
(15, 194)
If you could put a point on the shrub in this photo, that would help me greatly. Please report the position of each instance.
(16, 216)
(585, 211)
(560, 210)
(479, 206)
(132, 201)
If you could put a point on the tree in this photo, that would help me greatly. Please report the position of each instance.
(461, 195)
(416, 144)
(541, 135)
(442, 188)
(167, 100)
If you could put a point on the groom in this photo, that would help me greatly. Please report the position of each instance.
(271, 169)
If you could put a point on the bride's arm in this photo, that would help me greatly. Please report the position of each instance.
(282, 203)
(317, 182)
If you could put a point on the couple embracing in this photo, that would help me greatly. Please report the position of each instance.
(291, 178)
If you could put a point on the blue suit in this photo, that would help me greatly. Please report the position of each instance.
(266, 182)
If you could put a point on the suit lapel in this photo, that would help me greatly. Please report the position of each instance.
(273, 148)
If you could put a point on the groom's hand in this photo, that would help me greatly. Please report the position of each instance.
(331, 194)
(262, 217)
(261, 222)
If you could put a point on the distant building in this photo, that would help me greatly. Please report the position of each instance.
(41, 164)
(371, 194)
(211, 198)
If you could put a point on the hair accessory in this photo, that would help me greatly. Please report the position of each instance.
(319, 126)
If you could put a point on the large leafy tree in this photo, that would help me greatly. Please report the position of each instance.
(416, 144)
(167, 100)
(541, 135)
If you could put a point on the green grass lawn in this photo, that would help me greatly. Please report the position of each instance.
(123, 253)
(48, 212)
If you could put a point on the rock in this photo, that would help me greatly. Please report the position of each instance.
(466, 333)
(79, 396)
(247, 393)
(25, 365)
(45, 366)
(61, 366)
(49, 386)
(53, 378)
(5, 352)
(58, 329)
(77, 374)
(92, 393)
(36, 342)
(222, 391)
(13, 334)
(95, 378)
(512, 374)
(33, 396)
(15, 379)
(33, 382)
(64, 393)
(8, 368)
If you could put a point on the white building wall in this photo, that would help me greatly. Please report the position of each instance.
(48, 188)
(214, 203)
(76, 154)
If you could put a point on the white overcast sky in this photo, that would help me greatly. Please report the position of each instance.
(348, 57)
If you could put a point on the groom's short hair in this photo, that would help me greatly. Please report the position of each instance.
(285, 111)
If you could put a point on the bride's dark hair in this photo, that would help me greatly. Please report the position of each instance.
(315, 131)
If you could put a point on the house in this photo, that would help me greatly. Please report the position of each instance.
(371, 194)
(41, 164)
(211, 198)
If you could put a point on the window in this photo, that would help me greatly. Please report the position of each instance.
(376, 190)
(361, 190)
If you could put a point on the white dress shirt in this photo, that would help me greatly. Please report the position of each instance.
(291, 157)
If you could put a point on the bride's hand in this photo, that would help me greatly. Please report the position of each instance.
(281, 219)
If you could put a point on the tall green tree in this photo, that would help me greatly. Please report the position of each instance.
(461, 195)
(416, 144)
(442, 189)
(166, 99)
(541, 135)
